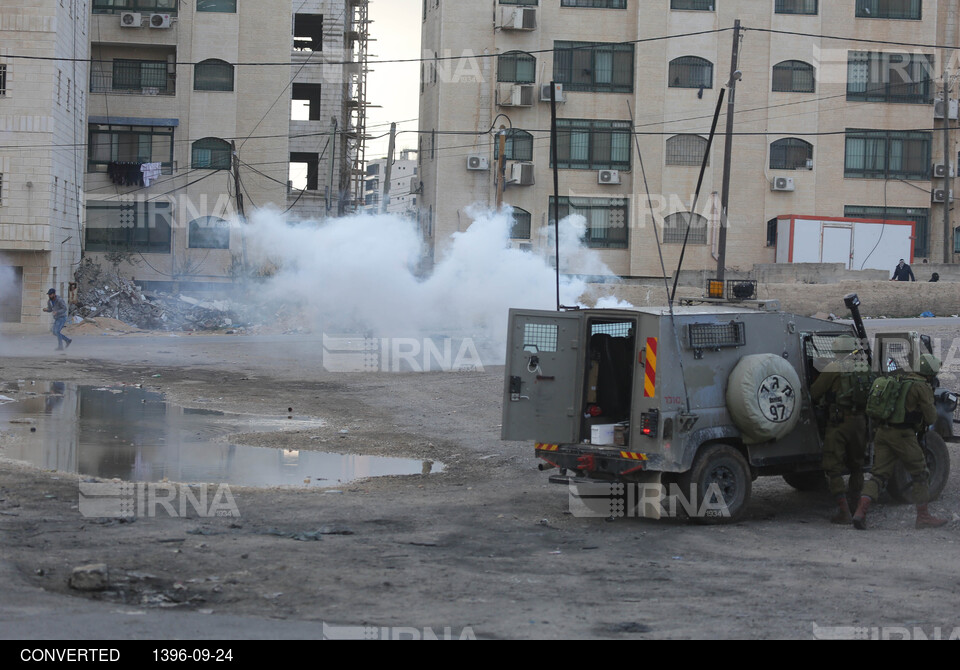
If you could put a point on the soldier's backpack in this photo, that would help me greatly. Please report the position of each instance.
(886, 399)
(855, 387)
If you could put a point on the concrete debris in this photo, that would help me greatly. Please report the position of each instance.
(95, 577)
(103, 293)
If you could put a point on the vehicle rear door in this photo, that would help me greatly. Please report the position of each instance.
(543, 376)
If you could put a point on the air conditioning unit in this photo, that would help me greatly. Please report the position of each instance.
(954, 109)
(518, 18)
(476, 162)
(522, 174)
(130, 20)
(782, 184)
(809, 164)
(160, 21)
(608, 177)
(522, 246)
(545, 92)
(940, 195)
(516, 95)
(940, 171)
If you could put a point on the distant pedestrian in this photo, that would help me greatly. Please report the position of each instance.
(903, 272)
(58, 307)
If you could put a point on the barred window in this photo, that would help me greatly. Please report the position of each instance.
(883, 154)
(213, 75)
(889, 77)
(594, 66)
(583, 144)
(686, 150)
(143, 6)
(222, 6)
(600, 4)
(702, 5)
(675, 228)
(890, 9)
(209, 232)
(3, 79)
(520, 230)
(795, 7)
(794, 76)
(211, 153)
(516, 66)
(790, 153)
(691, 72)
(518, 2)
(518, 146)
(607, 219)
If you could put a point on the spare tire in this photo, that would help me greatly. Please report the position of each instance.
(763, 397)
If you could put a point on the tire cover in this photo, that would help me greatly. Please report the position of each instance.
(763, 397)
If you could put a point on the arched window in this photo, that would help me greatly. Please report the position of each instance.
(519, 146)
(686, 150)
(521, 224)
(691, 72)
(675, 228)
(209, 232)
(222, 6)
(790, 153)
(213, 75)
(517, 66)
(794, 76)
(211, 153)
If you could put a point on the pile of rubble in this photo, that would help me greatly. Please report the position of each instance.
(101, 293)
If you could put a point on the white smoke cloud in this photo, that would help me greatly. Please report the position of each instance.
(359, 274)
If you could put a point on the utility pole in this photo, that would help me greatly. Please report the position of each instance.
(333, 164)
(735, 75)
(948, 163)
(556, 181)
(388, 170)
(501, 164)
(239, 196)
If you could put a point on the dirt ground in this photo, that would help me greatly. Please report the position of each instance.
(487, 545)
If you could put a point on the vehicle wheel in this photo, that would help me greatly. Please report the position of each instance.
(806, 481)
(900, 485)
(721, 475)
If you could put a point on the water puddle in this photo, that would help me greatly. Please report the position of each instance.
(132, 434)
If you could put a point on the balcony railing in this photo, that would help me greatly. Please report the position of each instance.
(104, 82)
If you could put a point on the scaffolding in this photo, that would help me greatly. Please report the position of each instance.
(354, 137)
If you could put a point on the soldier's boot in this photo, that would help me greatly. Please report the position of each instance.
(860, 516)
(926, 520)
(842, 515)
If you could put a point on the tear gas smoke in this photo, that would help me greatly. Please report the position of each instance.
(359, 275)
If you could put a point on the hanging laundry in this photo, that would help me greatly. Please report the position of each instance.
(125, 174)
(151, 172)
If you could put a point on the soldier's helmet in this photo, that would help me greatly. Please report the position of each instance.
(844, 345)
(929, 365)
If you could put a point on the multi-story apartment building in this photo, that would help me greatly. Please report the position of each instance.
(174, 87)
(43, 72)
(835, 117)
(404, 185)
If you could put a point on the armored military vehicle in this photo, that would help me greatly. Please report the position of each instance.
(706, 396)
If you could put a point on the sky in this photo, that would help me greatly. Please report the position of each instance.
(394, 87)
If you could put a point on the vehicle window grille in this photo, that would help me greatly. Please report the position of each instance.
(624, 329)
(541, 335)
(717, 335)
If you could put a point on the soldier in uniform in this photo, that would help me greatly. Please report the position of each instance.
(895, 442)
(842, 390)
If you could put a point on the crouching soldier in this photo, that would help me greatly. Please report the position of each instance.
(842, 390)
(904, 406)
